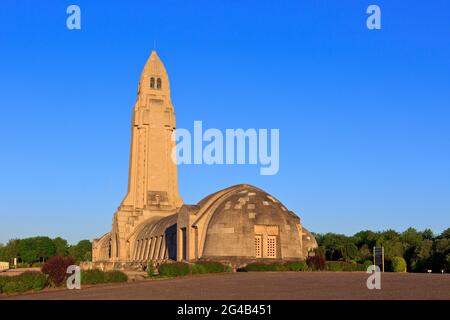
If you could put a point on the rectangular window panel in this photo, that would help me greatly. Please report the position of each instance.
(258, 245)
(271, 246)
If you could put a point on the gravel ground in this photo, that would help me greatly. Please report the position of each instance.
(265, 285)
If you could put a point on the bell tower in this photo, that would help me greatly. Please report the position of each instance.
(152, 181)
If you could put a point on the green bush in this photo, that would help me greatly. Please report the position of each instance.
(174, 269)
(30, 280)
(115, 276)
(198, 269)
(257, 266)
(3, 281)
(344, 266)
(12, 287)
(92, 276)
(398, 264)
(209, 267)
(33, 280)
(367, 264)
(151, 269)
(296, 266)
(97, 276)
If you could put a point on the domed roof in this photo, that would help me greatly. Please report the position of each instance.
(234, 215)
(245, 198)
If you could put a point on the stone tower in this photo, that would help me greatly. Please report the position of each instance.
(152, 183)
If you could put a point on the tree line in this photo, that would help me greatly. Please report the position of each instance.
(422, 250)
(36, 250)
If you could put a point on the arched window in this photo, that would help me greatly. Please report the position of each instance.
(158, 83)
(109, 249)
(152, 83)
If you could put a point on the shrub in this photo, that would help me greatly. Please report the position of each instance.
(97, 276)
(296, 266)
(174, 269)
(398, 264)
(316, 262)
(344, 266)
(115, 276)
(209, 267)
(367, 264)
(33, 280)
(257, 266)
(56, 268)
(92, 276)
(30, 280)
(151, 268)
(11, 287)
(198, 268)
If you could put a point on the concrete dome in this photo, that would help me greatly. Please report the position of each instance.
(240, 215)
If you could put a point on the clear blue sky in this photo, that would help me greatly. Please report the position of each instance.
(364, 116)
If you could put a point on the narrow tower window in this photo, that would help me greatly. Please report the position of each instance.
(158, 83)
(152, 83)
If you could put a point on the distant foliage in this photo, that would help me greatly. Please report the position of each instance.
(82, 251)
(32, 252)
(421, 250)
(316, 263)
(26, 281)
(35, 249)
(56, 267)
(398, 264)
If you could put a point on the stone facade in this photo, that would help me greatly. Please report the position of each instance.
(238, 224)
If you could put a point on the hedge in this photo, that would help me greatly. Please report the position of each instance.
(344, 266)
(174, 269)
(182, 269)
(97, 276)
(29, 280)
(276, 266)
(209, 267)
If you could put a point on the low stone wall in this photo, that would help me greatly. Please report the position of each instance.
(110, 266)
(4, 266)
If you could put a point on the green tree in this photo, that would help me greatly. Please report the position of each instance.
(61, 247)
(82, 251)
(391, 242)
(366, 237)
(35, 249)
(9, 251)
(441, 252)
